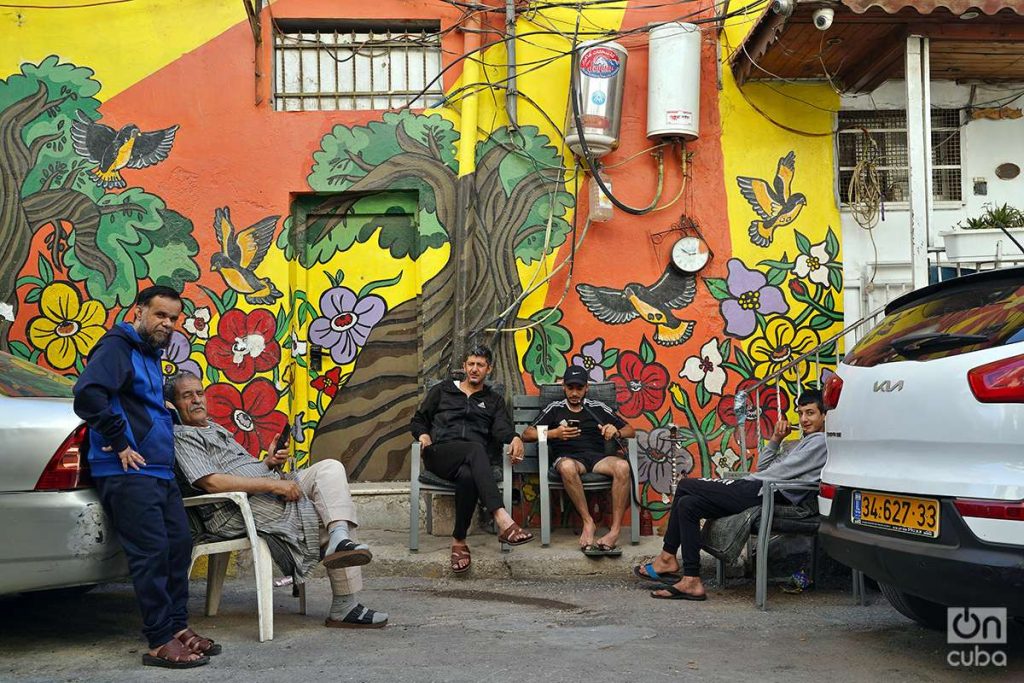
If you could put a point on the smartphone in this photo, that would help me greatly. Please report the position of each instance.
(285, 437)
(575, 424)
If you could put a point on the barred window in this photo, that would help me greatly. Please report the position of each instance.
(356, 65)
(881, 136)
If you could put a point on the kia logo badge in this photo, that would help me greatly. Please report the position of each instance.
(888, 386)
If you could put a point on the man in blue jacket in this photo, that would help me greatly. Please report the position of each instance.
(131, 455)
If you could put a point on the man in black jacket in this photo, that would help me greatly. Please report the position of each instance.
(454, 426)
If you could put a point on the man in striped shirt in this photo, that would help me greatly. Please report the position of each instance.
(299, 514)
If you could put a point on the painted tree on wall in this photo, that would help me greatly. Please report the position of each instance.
(516, 188)
(109, 241)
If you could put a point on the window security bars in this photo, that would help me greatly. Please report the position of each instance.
(356, 69)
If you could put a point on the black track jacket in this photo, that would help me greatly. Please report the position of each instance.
(447, 414)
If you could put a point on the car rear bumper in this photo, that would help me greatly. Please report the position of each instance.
(956, 569)
(54, 539)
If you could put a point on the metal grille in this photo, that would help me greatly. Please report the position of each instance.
(356, 68)
(881, 136)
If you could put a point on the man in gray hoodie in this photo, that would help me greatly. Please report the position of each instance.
(698, 499)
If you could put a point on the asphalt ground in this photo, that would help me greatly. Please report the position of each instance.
(487, 629)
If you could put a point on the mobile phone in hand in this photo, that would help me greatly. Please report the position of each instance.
(575, 424)
(285, 437)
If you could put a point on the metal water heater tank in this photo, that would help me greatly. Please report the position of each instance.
(673, 82)
(599, 71)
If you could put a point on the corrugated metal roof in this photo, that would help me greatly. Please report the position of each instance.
(929, 6)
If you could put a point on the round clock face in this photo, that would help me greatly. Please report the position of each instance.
(690, 254)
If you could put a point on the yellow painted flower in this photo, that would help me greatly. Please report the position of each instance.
(782, 343)
(67, 327)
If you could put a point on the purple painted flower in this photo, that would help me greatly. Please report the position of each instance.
(175, 358)
(346, 322)
(751, 294)
(655, 462)
(591, 356)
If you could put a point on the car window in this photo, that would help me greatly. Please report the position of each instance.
(950, 322)
(21, 379)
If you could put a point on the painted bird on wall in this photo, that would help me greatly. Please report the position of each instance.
(776, 204)
(113, 150)
(241, 253)
(653, 303)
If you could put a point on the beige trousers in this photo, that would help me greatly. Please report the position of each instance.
(326, 484)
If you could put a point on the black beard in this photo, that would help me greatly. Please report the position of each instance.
(148, 340)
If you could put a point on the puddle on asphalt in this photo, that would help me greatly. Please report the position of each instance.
(489, 596)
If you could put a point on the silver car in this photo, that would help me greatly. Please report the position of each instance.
(53, 532)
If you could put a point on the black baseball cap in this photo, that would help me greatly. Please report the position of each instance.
(576, 374)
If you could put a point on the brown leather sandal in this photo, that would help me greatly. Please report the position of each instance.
(174, 655)
(514, 535)
(460, 553)
(201, 645)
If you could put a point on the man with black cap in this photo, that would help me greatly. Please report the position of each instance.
(577, 431)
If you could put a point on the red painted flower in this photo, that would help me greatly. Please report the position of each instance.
(772, 406)
(244, 344)
(639, 386)
(251, 415)
(329, 382)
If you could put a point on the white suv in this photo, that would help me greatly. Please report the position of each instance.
(924, 486)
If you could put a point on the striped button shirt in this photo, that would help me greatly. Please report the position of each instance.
(292, 526)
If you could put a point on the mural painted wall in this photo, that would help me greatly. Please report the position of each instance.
(314, 249)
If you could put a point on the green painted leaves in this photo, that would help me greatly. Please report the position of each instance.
(549, 341)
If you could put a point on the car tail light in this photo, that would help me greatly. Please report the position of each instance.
(999, 382)
(66, 470)
(827, 491)
(991, 509)
(830, 395)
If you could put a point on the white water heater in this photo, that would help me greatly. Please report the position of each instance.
(673, 82)
(599, 71)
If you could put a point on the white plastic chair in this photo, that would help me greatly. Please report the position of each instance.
(219, 553)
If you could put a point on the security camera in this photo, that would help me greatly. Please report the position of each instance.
(823, 18)
(783, 7)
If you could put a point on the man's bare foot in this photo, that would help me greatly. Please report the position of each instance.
(689, 588)
(665, 563)
(610, 539)
(460, 557)
(589, 531)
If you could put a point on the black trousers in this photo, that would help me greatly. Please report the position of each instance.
(149, 519)
(467, 464)
(698, 499)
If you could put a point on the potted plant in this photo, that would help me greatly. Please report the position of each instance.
(983, 238)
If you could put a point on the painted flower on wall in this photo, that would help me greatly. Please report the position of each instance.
(749, 294)
(639, 386)
(590, 357)
(763, 410)
(329, 382)
(199, 323)
(726, 460)
(68, 327)
(706, 368)
(244, 344)
(251, 415)
(346, 322)
(175, 357)
(656, 453)
(782, 343)
(814, 265)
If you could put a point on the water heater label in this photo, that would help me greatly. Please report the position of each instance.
(598, 98)
(679, 117)
(600, 62)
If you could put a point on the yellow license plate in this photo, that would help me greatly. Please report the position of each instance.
(917, 516)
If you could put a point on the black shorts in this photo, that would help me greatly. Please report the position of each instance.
(588, 462)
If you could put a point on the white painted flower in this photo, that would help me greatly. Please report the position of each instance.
(813, 266)
(249, 345)
(199, 323)
(299, 347)
(725, 461)
(6, 311)
(706, 368)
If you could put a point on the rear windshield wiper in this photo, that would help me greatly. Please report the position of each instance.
(916, 343)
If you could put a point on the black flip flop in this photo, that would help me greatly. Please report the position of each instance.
(646, 572)
(592, 550)
(609, 550)
(676, 594)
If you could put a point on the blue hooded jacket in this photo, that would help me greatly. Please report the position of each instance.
(120, 397)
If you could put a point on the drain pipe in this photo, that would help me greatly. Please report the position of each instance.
(510, 52)
(471, 101)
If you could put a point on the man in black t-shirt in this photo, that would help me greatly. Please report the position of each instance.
(577, 432)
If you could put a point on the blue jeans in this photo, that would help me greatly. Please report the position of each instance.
(149, 518)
